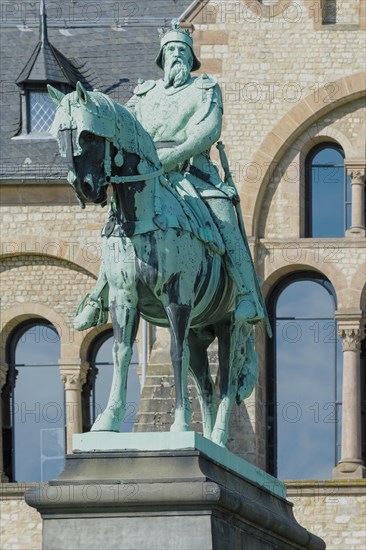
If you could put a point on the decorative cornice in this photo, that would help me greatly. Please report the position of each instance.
(355, 164)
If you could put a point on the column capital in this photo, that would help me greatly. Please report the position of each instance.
(357, 175)
(351, 338)
(350, 328)
(73, 373)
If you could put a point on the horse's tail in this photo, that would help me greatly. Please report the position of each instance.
(249, 372)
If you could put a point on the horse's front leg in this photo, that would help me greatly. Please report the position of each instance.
(179, 316)
(125, 319)
(199, 340)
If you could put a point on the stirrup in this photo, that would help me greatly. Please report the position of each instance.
(101, 312)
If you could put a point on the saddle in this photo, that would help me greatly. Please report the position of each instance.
(197, 218)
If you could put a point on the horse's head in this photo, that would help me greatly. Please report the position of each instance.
(93, 134)
(82, 123)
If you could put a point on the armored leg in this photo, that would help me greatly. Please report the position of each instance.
(238, 260)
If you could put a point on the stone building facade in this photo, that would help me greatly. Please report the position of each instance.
(292, 74)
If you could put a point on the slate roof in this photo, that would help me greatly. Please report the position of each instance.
(109, 46)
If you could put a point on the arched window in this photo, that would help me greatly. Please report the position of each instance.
(33, 405)
(304, 384)
(327, 192)
(97, 387)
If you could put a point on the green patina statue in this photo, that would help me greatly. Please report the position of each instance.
(174, 248)
(183, 115)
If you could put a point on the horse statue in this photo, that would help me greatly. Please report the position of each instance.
(156, 262)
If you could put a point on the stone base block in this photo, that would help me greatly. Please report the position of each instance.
(349, 470)
(165, 499)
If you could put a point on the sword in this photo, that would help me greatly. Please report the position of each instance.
(230, 181)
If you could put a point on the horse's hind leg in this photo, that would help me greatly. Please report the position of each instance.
(200, 371)
(232, 338)
(125, 324)
(179, 316)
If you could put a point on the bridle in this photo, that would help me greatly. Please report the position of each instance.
(124, 179)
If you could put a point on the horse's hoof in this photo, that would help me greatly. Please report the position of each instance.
(219, 437)
(180, 427)
(105, 423)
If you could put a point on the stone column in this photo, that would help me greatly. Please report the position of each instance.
(73, 374)
(350, 465)
(357, 174)
(3, 373)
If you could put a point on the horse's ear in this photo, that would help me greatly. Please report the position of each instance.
(81, 93)
(55, 95)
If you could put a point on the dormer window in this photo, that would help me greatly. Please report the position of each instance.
(40, 111)
(46, 65)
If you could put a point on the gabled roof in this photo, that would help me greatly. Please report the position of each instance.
(47, 64)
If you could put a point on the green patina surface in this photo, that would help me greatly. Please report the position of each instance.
(174, 245)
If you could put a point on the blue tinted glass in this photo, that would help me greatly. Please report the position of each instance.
(41, 111)
(328, 155)
(305, 299)
(38, 406)
(307, 356)
(327, 193)
(103, 382)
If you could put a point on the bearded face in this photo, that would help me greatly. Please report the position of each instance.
(177, 60)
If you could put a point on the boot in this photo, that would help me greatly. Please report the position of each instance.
(93, 310)
(90, 313)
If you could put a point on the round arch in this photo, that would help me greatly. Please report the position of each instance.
(330, 271)
(28, 311)
(85, 256)
(327, 135)
(293, 124)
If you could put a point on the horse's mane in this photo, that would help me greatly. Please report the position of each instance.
(130, 135)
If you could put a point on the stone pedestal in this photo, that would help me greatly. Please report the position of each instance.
(195, 496)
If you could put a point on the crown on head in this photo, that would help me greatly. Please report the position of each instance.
(176, 34)
(175, 26)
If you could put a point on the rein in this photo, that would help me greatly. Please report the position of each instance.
(124, 179)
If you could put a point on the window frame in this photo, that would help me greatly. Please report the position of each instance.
(308, 198)
(25, 90)
(7, 394)
(271, 354)
(88, 390)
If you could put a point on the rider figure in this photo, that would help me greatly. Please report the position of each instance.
(183, 115)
